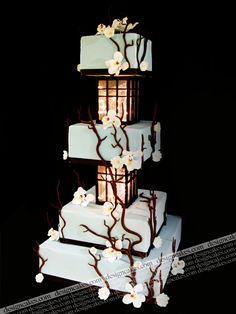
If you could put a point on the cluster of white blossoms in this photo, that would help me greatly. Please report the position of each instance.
(115, 65)
(177, 266)
(132, 160)
(111, 119)
(117, 26)
(81, 198)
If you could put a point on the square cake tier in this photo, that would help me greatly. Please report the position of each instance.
(80, 133)
(96, 50)
(137, 218)
(71, 261)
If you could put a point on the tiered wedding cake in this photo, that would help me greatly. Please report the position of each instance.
(115, 235)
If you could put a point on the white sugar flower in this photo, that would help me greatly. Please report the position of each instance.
(134, 296)
(117, 162)
(103, 293)
(78, 67)
(177, 266)
(80, 197)
(65, 154)
(137, 264)
(53, 234)
(143, 66)
(107, 208)
(109, 31)
(111, 120)
(100, 29)
(156, 156)
(157, 127)
(112, 254)
(93, 250)
(39, 277)
(157, 242)
(162, 299)
(119, 25)
(132, 160)
(115, 65)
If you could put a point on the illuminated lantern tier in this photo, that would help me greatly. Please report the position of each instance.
(126, 185)
(121, 95)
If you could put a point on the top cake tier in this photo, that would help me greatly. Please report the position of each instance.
(129, 53)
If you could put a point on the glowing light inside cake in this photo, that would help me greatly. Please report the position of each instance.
(126, 185)
(121, 95)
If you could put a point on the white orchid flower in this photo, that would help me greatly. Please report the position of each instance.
(134, 296)
(112, 254)
(120, 25)
(157, 242)
(143, 66)
(78, 67)
(103, 293)
(39, 277)
(177, 266)
(110, 120)
(80, 197)
(132, 160)
(107, 208)
(115, 65)
(100, 29)
(53, 234)
(109, 31)
(117, 162)
(156, 155)
(65, 154)
(162, 299)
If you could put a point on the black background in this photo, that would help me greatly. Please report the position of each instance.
(194, 86)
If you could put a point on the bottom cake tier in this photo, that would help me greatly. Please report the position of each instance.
(71, 262)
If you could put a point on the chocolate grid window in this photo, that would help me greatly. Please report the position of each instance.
(126, 185)
(121, 95)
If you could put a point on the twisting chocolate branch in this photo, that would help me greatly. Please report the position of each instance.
(100, 140)
(144, 49)
(59, 207)
(151, 201)
(152, 136)
(131, 261)
(154, 219)
(138, 44)
(36, 250)
(117, 140)
(161, 282)
(173, 245)
(126, 45)
(95, 266)
(152, 280)
(142, 148)
(117, 45)
(87, 229)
